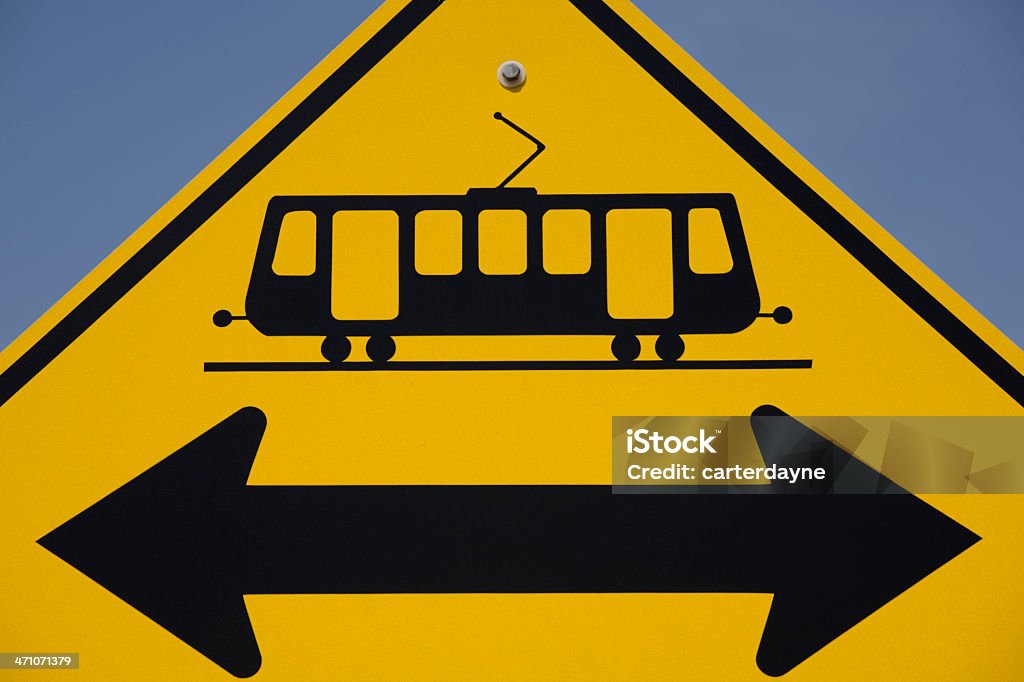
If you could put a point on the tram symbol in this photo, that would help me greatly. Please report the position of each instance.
(471, 294)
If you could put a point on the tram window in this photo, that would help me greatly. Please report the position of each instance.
(296, 245)
(502, 242)
(709, 247)
(364, 273)
(438, 242)
(566, 242)
(640, 274)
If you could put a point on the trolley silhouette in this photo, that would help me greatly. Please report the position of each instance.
(471, 302)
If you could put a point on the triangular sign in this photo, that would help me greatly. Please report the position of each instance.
(460, 245)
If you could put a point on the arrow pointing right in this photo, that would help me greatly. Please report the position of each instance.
(185, 540)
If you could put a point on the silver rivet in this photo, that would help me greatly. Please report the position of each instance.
(511, 74)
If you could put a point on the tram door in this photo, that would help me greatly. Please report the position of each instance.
(364, 265)
(640, 267)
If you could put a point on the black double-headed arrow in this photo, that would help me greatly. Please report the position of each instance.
(184, 541)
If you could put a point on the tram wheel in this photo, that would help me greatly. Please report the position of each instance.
(625, 347)
(336, 348)
(380, 348)
(669, 347)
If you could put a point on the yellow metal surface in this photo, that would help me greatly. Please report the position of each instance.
(131, 389)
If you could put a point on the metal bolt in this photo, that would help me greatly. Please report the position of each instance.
(511, 74)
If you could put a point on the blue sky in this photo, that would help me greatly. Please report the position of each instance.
(915, 109)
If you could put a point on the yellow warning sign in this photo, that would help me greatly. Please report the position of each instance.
(341, 408)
